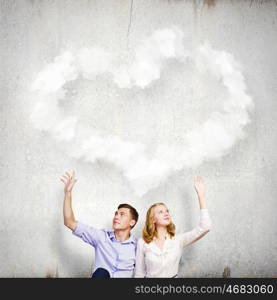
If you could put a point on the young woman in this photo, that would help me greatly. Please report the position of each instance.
(159, 250)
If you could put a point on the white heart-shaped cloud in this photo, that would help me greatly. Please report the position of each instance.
(210, 139)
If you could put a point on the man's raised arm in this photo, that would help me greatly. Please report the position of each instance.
(69, 181)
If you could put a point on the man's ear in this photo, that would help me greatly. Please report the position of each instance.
(132, 223)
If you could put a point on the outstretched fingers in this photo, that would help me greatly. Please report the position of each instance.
(73, 176)
(69, 176)
(65, 178)
(198, 179)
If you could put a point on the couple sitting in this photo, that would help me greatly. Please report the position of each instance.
(119, 254)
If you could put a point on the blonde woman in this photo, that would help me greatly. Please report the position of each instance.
(159, 250)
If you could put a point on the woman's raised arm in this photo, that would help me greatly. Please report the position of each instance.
(205, 223)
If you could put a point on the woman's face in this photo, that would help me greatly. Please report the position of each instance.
(161, 215)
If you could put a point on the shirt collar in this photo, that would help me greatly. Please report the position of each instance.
(131, 239)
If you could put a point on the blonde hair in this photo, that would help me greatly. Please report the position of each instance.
(150, 230)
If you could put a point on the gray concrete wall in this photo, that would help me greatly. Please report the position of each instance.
(44, 132)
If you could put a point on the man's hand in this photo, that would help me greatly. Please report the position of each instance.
(69, 181)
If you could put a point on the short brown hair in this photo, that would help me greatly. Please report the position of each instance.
(133, 211)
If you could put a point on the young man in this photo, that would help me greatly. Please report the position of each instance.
(115, 251)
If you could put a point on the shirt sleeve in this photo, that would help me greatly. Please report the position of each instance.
(87, 233)
(199, 231)
(140, 269)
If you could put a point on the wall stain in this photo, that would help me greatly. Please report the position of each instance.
(226, 273)
(210, 3)
(53, 274)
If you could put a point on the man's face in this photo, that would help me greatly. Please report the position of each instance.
(123, 219)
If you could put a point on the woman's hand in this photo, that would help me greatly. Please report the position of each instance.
(69, 181)
(199, 185)
(200, 190)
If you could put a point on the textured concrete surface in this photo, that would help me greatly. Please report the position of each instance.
(241, 184)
